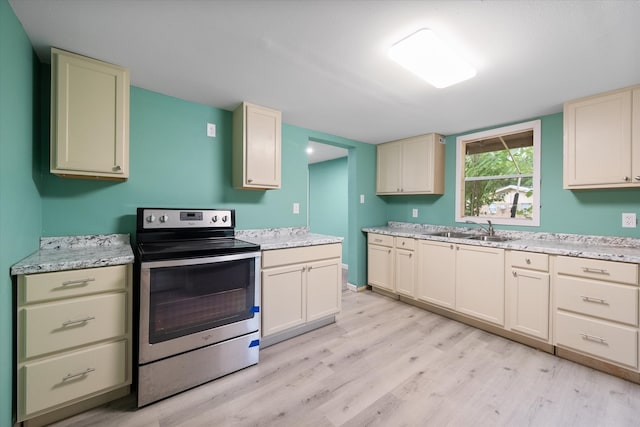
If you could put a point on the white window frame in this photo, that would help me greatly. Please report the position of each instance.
(461, 141)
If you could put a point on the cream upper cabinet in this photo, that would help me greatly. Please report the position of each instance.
(527, 281)
(437, 273)
(257, 134)
(411, 166)
(480, 282)
(602, 140)
(89, 117)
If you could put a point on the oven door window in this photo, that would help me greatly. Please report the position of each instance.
(192, 298)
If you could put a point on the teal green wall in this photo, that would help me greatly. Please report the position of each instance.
(174, 164)
(595, 212)
(328, 200)
(20, 206)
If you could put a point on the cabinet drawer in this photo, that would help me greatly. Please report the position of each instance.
(600, 270)
(405, 243)
(61, 325)
(276, 257)
(71, 283)
(616, 343)
(380, 239)
(529, 260)
(605, 300)
(75, 375)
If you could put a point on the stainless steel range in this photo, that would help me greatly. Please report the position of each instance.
(199, 296)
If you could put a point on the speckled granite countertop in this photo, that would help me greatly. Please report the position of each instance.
(598, 247)
(280, 238)
(76, 252)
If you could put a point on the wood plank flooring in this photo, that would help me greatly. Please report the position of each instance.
(385, 363)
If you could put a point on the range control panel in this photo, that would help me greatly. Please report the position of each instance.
(186, 218)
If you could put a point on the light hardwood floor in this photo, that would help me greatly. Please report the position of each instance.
(385, 363)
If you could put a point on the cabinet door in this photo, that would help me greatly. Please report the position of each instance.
(480, 282)
(405, 272)
(283, 298)
(417, 161)
(89, 117)
(323, 288)
(529, 302)
(388, 175)
(436, 273)
(597, 141)
(635, 135)
(380, 267)
(263, 133)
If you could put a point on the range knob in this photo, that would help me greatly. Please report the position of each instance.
(151, 218)
(224, 218)
(215, 218)
(164, 218)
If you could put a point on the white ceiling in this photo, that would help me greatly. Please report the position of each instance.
(324, 63)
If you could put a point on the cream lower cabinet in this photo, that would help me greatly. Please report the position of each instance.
(437, 273)
(602, 140)
(299, 286)
(480, 283)
(380, 262)
(405, 266)
(468, 279)
(89, 117)
(391, 264)
(527, 293)
(596, 309)
(73, 338)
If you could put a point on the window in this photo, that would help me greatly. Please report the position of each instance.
(498, 175)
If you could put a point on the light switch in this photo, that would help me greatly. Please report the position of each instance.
(414, 213)
(362, 199)
(296, 208)
(211, 130)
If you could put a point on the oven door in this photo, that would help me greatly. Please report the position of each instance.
(186, 304)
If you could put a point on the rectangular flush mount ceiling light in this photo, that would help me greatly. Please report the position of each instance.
(426, 55)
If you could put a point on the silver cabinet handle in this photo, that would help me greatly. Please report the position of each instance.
(80, 282)
(76, 322)
(527, 260)
(515, 273)
(250, 180)
(389, 251)
(637, 177)
(593, 338)
(626, 178)
(117, 168)
(78, 374)
(595, 270)
(403, 243)
(591, 299)
(451, 247)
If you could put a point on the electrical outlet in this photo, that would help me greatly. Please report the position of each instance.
(629, 220)
(362, 199)
(414, 213)
(296, 208)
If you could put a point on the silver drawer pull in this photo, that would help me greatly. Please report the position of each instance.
(595, 270)
(76, 322)
(79, 281)
(79, 374)
(593, 338)
(592, 299)
(515, 273)
(528, 260)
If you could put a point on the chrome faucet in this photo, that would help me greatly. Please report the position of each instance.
(490, 231)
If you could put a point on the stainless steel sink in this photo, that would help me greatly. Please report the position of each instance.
(452, 234)
(491, 238)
